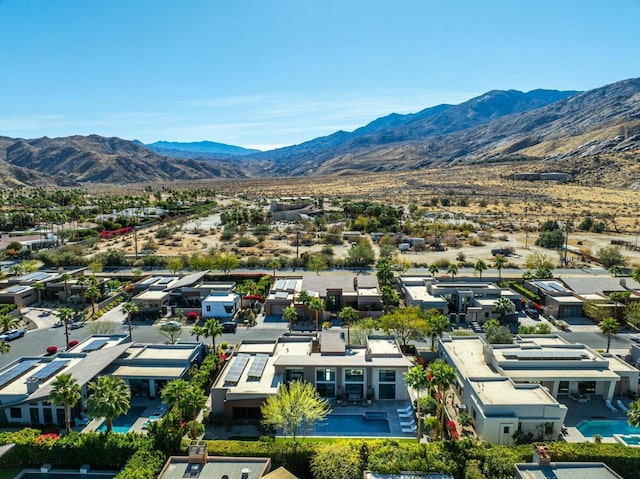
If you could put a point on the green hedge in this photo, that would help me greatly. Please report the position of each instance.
(6, 308)
(525, 292)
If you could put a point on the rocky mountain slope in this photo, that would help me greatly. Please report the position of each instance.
(81, 159)
(603, 121)
(310, 157)
(199, 150)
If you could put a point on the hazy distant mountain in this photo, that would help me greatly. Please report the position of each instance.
(309, 157)
(93, 158)
(200, 149)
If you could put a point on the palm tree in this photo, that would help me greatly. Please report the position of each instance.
(499, 264)
(5, 347)
(433, 269)
(616, 270)
(443, 376)
(452, 270)
(503, 305)
(304, 298)
(198, 331)
(633, 414)
(290, 315)
(65, 391)
(416, 378)
(174, 392)
(110, 398)
(635, 274)
(8, 322)
(608, 326)
(129, 308)
(65, 277)
(39, 287)
(64, 314)
(316, 305)
(93, 293)
(438, 324)
(479, 267)
(348, 314)
(82, 280)
(212, 329)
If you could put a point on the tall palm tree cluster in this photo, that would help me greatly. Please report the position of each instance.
(437, 379)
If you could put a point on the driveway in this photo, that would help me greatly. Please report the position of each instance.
(43, 318)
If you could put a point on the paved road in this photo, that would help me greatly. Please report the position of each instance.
(35, 342)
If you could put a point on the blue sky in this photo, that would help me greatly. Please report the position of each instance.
(267, 73)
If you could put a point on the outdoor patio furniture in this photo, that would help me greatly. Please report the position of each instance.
(584, 400)
(402, 415)
(406, 410)
(407, 423)
(409, 430)
(622, 406)
(610, 406)
(81, 421)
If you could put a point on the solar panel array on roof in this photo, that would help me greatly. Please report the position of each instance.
(50, 369)
(291, 284)
(282, 295)
(166, 280)
(258, 365)
(237, 368)
(97, 344)
(17, 289)
(16, 371)
(280, 284)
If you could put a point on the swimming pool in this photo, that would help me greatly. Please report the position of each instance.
(630, 440)
(368, 424)
(122, 424)
(606, 428)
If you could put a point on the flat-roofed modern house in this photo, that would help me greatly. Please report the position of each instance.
(499, 405)
(257, 368)
(179, 467)
(25, 384)
(514, 387)
(361, 292)
(20, 290)
(471, 301)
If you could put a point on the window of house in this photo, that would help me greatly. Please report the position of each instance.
(386, 391)
(246, 413)
(229, 309)
(15, 413)
(387, 376)
(505, 429)
(208, 307)
(354, 375)
(294, 374)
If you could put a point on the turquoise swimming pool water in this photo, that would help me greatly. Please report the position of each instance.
(353, 425)
(606, 428)
(630, 440)
(122, 424)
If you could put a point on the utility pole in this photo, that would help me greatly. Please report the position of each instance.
(135, 239)
(566, 242)
(297, 244)
(526, 230)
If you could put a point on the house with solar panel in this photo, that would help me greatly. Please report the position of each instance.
(522, 386)
(20, 290)
(339, 373)
(25, 384)
(361, 292)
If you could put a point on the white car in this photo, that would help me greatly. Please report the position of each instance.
(13, 334)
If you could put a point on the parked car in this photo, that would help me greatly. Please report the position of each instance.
(13, 334)
(76, 325)
(229, 327)
(532, 313)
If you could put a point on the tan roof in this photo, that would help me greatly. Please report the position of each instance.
(147, 372)
(280, 473)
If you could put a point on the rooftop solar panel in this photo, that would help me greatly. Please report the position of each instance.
(233, 376)
(97, 344)
(545, 355)
(17, 371)
(165, 280)
(258, 365)
(282, 295)
(280, 284)
(17, 289)
(49, 370)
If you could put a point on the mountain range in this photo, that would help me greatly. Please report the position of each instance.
(553, 126)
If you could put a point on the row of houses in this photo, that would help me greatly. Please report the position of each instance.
(25, 384)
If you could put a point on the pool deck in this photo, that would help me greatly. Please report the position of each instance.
(138, 425)
(594, 409)
(389, 407)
